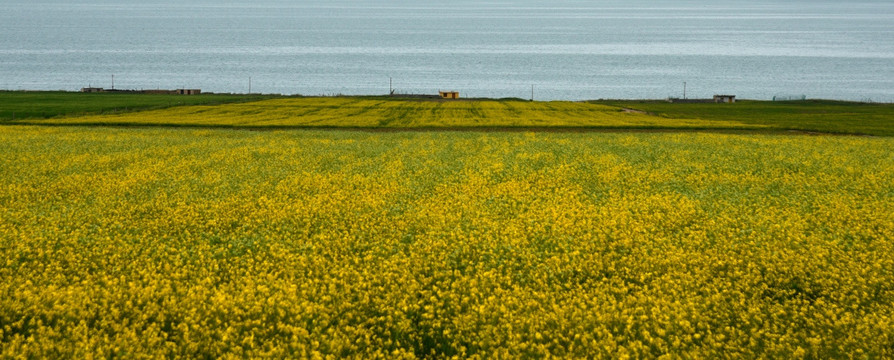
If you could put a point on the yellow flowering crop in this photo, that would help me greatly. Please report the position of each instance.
(363, 112)
(160, 243)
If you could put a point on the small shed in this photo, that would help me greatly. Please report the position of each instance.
(91, 89)
(449, 94)
(189, 91)
(728, 99)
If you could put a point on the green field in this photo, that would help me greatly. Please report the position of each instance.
(815, 115)
(21, 105)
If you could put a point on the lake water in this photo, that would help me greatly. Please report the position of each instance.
(566, 49)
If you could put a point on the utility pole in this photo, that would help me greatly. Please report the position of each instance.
(390, 86)
(113, 81)
(532, 92)
(684, 90)
(249, 85)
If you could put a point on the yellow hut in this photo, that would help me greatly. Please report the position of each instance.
(449, 94)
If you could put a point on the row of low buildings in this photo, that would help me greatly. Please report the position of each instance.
(156, 91)
(442, 94)
(726, 99)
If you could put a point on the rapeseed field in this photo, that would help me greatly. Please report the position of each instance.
(350, 112)
(184, 243)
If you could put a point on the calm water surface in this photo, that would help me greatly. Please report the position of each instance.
(566, 49)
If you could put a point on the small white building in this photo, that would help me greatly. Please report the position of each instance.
(729, 99)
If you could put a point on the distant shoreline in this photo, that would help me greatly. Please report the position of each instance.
(154, 92)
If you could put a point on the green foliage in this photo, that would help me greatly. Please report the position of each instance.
(21, 105)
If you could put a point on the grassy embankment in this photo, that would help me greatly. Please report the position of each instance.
(384, 112)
